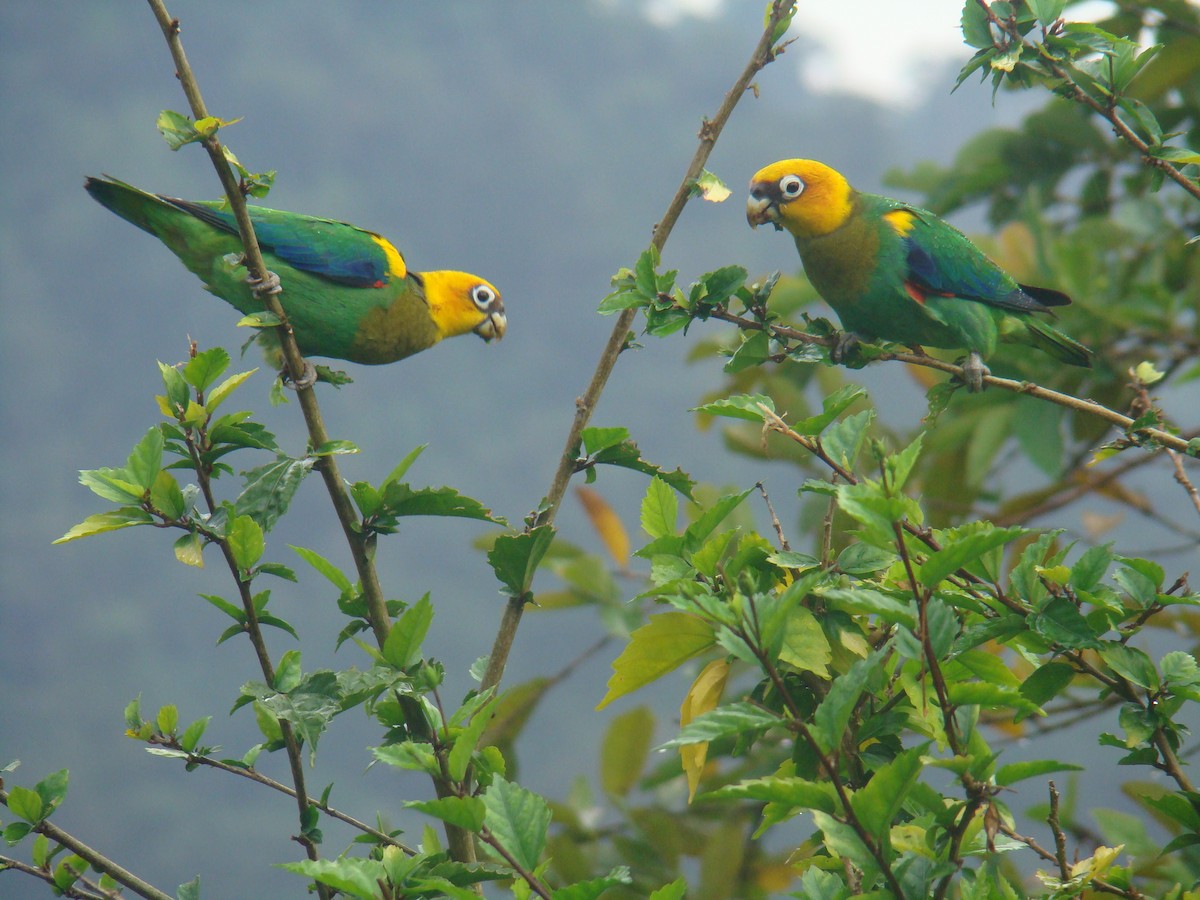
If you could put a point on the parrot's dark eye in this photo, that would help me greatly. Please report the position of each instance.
(791, 187)
(482, 295)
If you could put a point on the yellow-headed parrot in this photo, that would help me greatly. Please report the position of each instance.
(894, 271)
(347, 292)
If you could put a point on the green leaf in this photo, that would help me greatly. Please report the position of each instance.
(975, 27)
(403, 645)
(176, 129)
(515, 557)
(1047, 682)
(624, 750)
(625, 454)
(325, 567)
(108, 521)
(206, 367)
(1130, 663)
(418, 757)
(1089, 569)
(27, 804)
(664, 643)
(218, 394)
(518, 819)
(721, 284)
(166, 496)
(739, 406)
(805, 646)
(730, 720)
(270, 488)
(753, 351)
(53, 790)
(400, 500)
(176, 387)
(467, 740)
(352, 876)
(787, 791)
(1019, 771)
(145, 461)
(1047, 11)
(1061, 621)
(832, 406)
(288, 674)
(833, 715)
(864, 559)
(167, 719)
(962, 551)
(466, 812)
(192, 734)
(262, 319)
(245, 540)
(878, 804)
(645, 279)
(660, 509)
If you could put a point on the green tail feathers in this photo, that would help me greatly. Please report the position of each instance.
(131, 204)
(1052, 341)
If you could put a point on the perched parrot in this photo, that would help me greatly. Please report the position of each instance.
(347, 292)
(898, 272)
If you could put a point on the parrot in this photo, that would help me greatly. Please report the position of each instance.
(896, 272)
(347, 292)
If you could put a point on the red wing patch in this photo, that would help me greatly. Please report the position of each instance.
(915, 292)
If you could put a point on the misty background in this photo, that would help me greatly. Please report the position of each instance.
(534, 143)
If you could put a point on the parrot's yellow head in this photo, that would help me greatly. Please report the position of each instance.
(804, 196)
(460, 302)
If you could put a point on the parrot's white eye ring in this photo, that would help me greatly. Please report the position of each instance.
(791, 187)
(483, 296)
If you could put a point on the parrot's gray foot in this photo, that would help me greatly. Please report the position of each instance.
(843, 345)
(265, 286)
(974, 371)
(306, 380)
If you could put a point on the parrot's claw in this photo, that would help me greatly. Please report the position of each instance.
(843, 345)
(974, 371)
(265, 286)
(306, 380)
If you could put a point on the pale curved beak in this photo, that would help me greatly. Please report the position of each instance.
(761, 210)
(493, 327)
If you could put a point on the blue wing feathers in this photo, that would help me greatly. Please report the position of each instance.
(316, 246)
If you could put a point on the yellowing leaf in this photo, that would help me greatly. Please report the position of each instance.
(711, 188)
(607, 525)
(664, 643)
(624, 751)
(702, 696)
(805, 646)
(1146, 373)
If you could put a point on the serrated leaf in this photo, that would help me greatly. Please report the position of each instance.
(518, 819)
(400, 500)
(206, 367)
(269, 489)
(739, 406)
(962, 551)
(660, 509)
(467, 813)
(664, 643)
(625, 454)
(753, 351)
(402, 467)
(515, 557)
(222, 391)
(709, 187)
(832, 716)
(805, 646)
(729, 720)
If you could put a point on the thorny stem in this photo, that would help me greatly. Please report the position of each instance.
(461, 845)
(764, 53)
